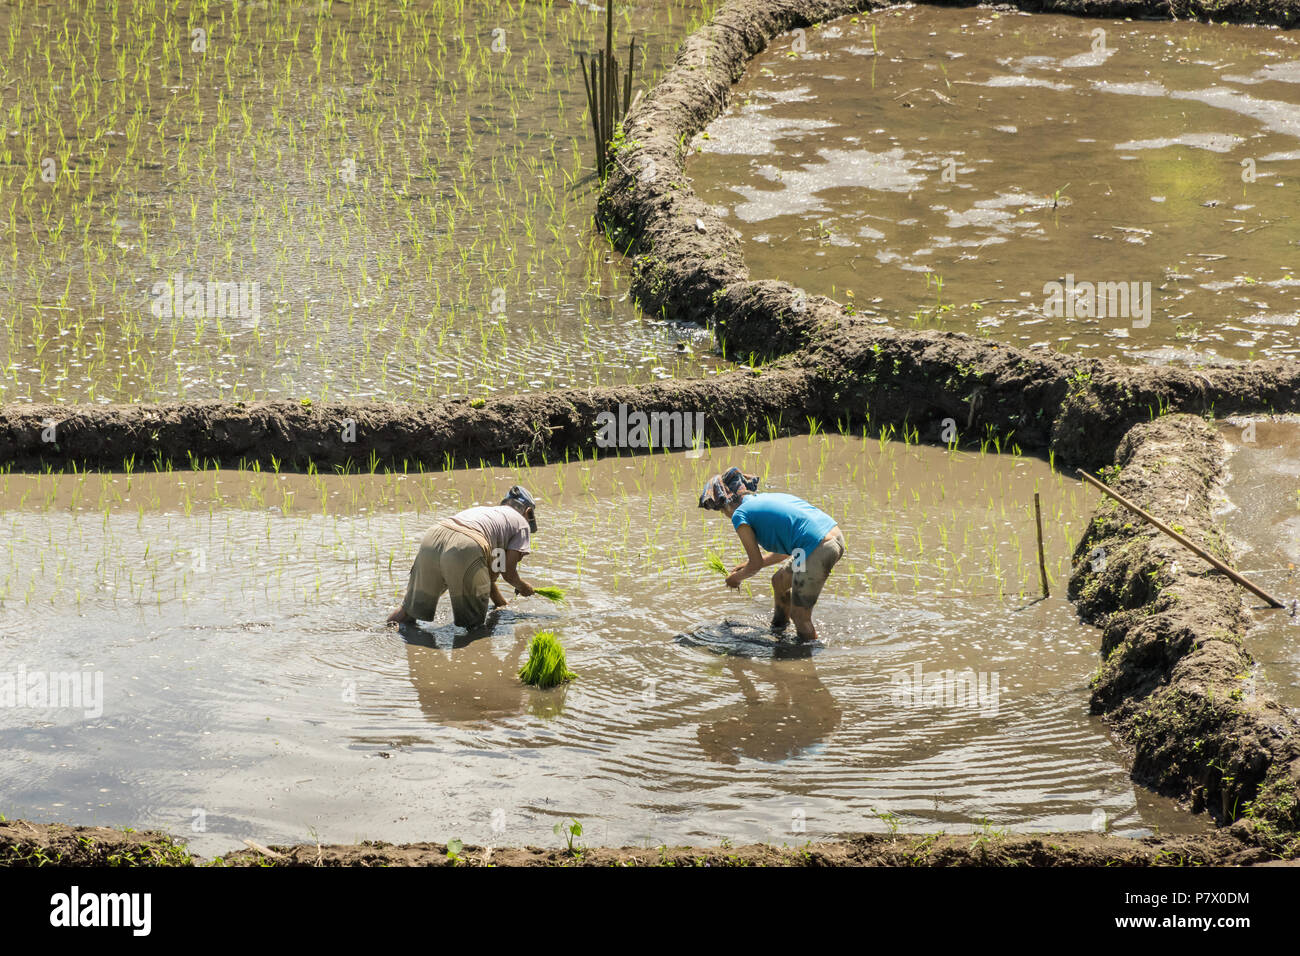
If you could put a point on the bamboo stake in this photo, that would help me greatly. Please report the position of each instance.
(1196, 549)
(591, 102)
(1042, 561)
(610, 92)
(627, 80)
(597, 81)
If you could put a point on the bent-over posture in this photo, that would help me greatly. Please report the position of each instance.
(465, 555)
(804, 540)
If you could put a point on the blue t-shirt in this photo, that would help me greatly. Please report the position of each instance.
(783, 522)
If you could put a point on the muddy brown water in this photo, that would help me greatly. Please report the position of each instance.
(250, 690)
(941, 166)
(1262, 515)
(408, 187)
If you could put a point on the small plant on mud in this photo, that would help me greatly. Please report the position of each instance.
(454, 850)
(921, 849)
(890, 820)
(571, 833)
(986, 836)
(1162, 407)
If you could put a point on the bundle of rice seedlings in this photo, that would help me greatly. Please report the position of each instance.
(551, 594)
(546, 666)
(714, 563)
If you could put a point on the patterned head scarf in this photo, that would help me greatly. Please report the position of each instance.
(519, 497)
(723, 488)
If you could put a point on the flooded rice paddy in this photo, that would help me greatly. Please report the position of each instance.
(249, 688)
(361, 200)
(1263, 522)
(939, 166)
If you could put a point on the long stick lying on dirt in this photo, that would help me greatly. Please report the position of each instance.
(1273, 602)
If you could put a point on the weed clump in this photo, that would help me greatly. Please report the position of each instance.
(546, 665)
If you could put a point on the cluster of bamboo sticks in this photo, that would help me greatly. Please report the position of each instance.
(600, 76)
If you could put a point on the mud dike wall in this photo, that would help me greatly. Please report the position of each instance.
(1176, 679)
(1171, 680)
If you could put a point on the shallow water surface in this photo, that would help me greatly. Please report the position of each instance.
(250, 688)
(1263, 521)
(943, 166)
(403, 191)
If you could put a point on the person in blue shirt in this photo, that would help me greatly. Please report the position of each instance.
(804, 540)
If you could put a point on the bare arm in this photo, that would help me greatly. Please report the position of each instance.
(756, 560)
(522, 587)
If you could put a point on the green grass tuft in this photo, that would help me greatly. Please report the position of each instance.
(546, 666)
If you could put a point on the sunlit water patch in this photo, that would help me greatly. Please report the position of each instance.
(936, 166)
(1262, 516)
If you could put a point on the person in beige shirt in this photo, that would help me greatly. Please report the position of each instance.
(464, 555)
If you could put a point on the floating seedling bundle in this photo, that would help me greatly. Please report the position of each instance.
(546, 665)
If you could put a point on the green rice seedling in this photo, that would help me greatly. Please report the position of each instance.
(551, 594)
(546, 665)
(714, 563)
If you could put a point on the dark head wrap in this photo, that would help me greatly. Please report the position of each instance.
(522, 501)
(723, 488)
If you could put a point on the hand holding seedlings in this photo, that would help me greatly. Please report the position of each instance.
(803, 540)
(465, 554)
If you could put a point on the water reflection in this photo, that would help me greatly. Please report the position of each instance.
(471, 677)
(792, 715)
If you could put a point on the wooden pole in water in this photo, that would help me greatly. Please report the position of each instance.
(627, 80)
(1042, 561)
(1194, 548)
(611, 82)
